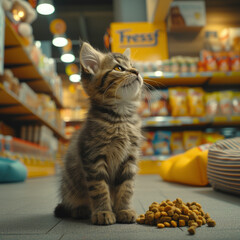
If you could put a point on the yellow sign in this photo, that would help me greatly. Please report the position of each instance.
(148, 41)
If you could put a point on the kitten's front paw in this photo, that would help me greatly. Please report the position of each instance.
(103, 218)
(126, 216)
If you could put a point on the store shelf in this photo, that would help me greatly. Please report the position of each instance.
(22, 65)
(229, 78)
(11, 106)
(11, 53)
(169, 121)
(11, 37)
(160, 79)
(172, 121)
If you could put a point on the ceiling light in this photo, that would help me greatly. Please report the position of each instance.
(45, 7)
(59, 41)
(38, 44)
(75, 78)
(67, 57)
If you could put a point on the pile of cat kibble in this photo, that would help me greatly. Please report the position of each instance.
(176, 214)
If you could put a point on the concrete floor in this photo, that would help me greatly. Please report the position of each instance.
(26, 213)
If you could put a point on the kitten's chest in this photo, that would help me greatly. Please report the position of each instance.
(123, 142)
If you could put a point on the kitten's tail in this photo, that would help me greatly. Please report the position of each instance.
(61, 211)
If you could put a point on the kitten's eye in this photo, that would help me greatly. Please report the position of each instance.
(119, 68)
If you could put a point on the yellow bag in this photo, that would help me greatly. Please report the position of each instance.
(187, 168)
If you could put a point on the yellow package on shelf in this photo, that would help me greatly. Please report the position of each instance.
(187, 168)
(38, 168)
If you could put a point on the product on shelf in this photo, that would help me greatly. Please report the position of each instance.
(161, 142)
(147, 148)
(167, 143)
(193, 101)
(230, 39)
(38, 160)
(176, 143)
(159, 103)
(196, 104)
(211, 137)
(144, 108)
(147, 66)
(12, 145)
(178, 101)
(176, 64)
(191, 139)
(236, 103)
(234, 61)
(182, 64)
(41, 135)
(211, 104)
(222, 61)
(49, 111)
(147, 145)
(28, 96)
(210, 63)
(9, 81)
(225, 102)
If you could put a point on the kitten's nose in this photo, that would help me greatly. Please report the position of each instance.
(134, 71)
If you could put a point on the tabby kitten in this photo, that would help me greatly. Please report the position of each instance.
(100, 164)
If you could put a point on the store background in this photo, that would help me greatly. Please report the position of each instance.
(40, 109)
(66, 103)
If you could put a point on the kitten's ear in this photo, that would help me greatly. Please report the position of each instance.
(90, 58)
(127, 53)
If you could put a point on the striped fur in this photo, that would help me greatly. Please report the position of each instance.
(101, 161)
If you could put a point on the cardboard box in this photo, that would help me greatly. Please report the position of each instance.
(186, 15)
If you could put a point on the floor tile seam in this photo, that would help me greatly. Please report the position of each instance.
(54, 226)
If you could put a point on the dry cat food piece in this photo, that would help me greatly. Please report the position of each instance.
(192, 230)
(176, 214)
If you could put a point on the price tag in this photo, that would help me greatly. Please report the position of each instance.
(234, 74)
(195, 120)
(175, 122)
(235, 118)
(220, 119)
(151, 123)
(219, 74)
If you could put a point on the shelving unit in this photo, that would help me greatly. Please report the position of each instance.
(159, 79)
(22, 66)
(169, 121)
(16, 112)
(151, 164)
